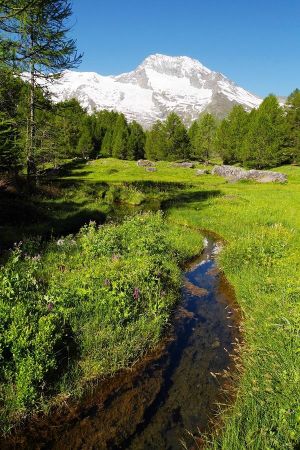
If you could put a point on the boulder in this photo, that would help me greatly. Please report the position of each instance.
(145, 163)
(237, 173)
(266, 176)
(151, 169)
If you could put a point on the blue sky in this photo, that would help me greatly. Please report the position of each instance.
(255, 43)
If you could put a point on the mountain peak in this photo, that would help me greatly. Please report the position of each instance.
(164, 63)
(160, 85)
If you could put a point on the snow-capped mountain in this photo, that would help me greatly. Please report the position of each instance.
(160, 85)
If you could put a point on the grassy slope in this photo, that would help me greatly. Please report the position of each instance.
(261, 224)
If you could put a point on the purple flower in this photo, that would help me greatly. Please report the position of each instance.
(106, 282)
(136, 293)
(50, 306)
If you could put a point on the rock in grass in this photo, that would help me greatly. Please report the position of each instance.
(151, 169)
(237, 173)
(145, 163)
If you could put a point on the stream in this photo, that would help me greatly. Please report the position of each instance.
(169, 398)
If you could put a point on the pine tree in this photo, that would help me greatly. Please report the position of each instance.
(178, 142)
(136, 142)
(204, 137)
(106, 146)
(264, 143)
(223, 144)
(293, 125)
(39, 45)
(85, 144)
(120, 138)
(231, 134)
(192, 132)
(156, 142)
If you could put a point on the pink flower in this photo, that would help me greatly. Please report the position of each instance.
(136, 293)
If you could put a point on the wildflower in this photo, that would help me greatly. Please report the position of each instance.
(60, 242)
(106, 282)
(50, 306)
(163, 293)
(136, 293)
(115, 257)
(36, 258)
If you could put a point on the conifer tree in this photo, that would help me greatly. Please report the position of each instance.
(106, 146)
(204, 137)
(293, 125)
(231, 134)
(192, 132)
(136, 142)
(85, 144)
(39, 45)
(178, 142)
(223, 142)
(156, 142)
(120, 138)
(264, 143)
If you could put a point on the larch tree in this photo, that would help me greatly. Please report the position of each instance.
(178, 141)
(35, 40)
(293, 125)
(204, 137)
(136, 141)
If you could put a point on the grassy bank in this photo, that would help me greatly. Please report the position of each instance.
(85, 306)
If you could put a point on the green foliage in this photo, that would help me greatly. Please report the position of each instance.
(136, 142)
(231, 134)
(264, 142)
(202, 135)
(168, 140)
(66, 311)
(9, 146)
(120, 138)
(293, 125)
(177, 139)
(156, 142)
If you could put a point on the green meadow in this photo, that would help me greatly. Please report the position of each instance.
(135, 265)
